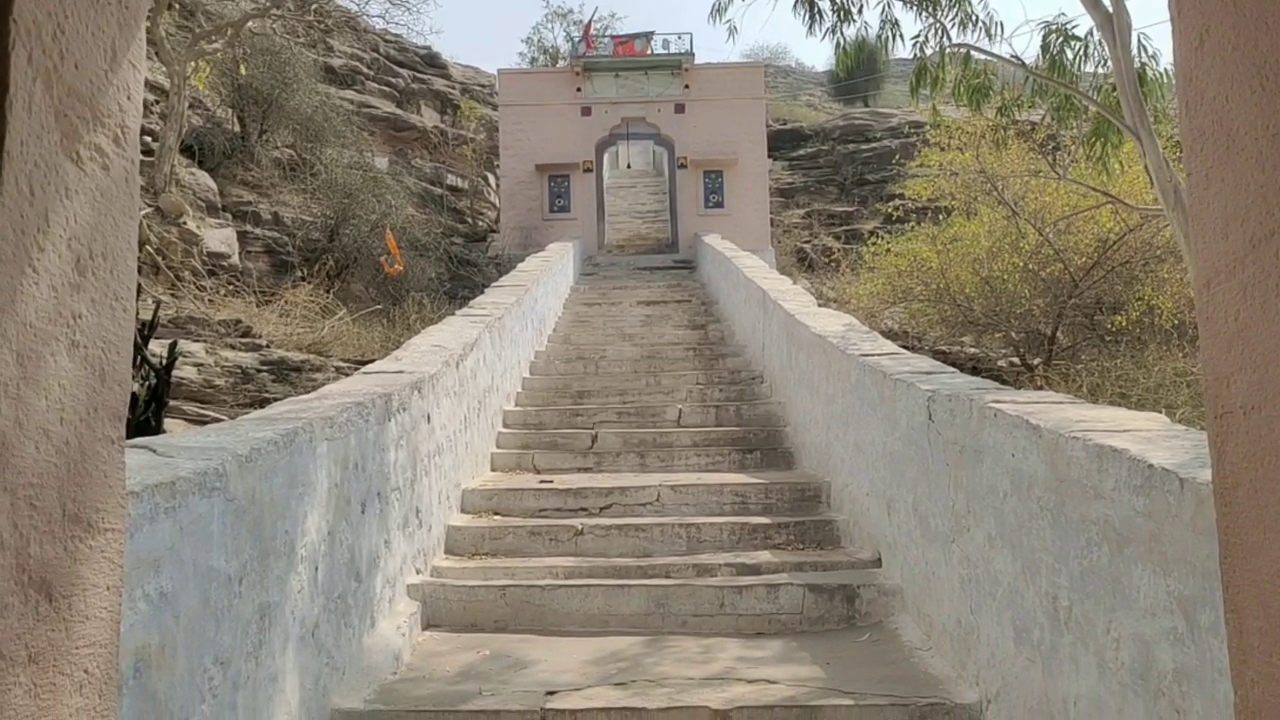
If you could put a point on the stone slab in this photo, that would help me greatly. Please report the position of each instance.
(866, 673)
(646, 494)
(735, 563)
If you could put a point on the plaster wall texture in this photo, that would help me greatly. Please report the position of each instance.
(71, 91)
(542, 131)
(267, 556)
(1062, 556)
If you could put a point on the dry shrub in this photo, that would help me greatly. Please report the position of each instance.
(308, 318)
(274, 91)
(295, 139)
(1049, 264)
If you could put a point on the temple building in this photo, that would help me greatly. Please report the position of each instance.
(634, 148)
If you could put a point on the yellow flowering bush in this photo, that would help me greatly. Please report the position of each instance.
(1030, 255)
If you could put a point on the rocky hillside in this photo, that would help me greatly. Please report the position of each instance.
(227, 252)
(834, 166)
(231, 254)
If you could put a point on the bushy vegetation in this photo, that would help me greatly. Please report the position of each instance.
(858, 71)
(290, 131)
(1053, 272)
(549, 43)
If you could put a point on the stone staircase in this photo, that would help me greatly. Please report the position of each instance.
(637, 212)
(645, 549)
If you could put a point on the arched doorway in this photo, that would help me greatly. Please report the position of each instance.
(636, 190)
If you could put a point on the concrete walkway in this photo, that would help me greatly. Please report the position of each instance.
(645, 547)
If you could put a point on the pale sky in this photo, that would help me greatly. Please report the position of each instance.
(487, 33)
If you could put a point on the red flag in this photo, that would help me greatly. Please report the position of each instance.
(589, 42)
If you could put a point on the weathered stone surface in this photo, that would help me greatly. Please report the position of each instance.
(1102, 518)
(668, 518)
(867, 673)
(833, 179)
(267, 557)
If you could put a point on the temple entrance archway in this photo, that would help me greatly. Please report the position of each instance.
(636, 190)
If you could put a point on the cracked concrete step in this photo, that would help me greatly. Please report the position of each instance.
(635, 381)
(636, 536)
(784, 602)
(668, 460)
(867, 673)
(766, 413)
(639, 365)
(643, 439)
(725, 564)
(791, 494)
(683, 394)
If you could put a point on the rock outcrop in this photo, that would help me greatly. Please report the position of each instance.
(410, 98)
(832, 181)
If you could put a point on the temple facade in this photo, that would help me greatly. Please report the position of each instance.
(634, 148)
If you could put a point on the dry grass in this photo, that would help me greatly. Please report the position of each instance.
(305, 318)
(798, 112)
(1157, 378)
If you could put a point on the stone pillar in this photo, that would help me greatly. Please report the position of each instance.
(1230, 108)
(68, 238)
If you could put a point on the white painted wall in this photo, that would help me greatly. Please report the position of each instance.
(1061, 556)
(267, 556)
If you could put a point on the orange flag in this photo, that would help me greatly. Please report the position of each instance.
(396, 265)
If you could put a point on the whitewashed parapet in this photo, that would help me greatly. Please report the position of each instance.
(267, 556)
(1062, 556)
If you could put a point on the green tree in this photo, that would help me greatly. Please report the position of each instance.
(773, 53)
(1105, 84)
(857, 74)
(550, 41)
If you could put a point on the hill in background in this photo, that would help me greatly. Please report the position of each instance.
(801, 95)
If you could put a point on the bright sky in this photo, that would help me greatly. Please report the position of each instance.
(487, 33)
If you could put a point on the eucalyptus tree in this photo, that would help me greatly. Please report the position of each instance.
(1099, 80)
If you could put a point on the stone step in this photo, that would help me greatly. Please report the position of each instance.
(626, 324)
(646, 494)
(676, 338)
(638, 352)
(636, 315)
(633, 191)
(684, 460)
(866, 673)
(657, 303)
(785, 602)
(691, 394)
(666, 415)
(641, 217)
(671, 288)
(723, 564)
(650, 304)
(642, 439)
(638, 366)
(642, 380)
(636, 536)
(636, 244)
